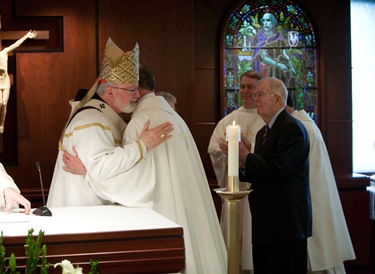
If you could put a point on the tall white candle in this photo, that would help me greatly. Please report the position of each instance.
(233, 136)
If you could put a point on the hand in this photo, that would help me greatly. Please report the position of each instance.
(154, 137)
(245, 142)
(73, 163)
(282, 66)
(224, 147)
(31, 34)
(243, 151)
(11, 197)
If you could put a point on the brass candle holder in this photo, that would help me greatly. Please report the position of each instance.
(232, 196)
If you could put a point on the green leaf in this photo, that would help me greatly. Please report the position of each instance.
(12, 263)
(94, 264)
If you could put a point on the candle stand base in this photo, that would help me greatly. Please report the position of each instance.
(233, 240)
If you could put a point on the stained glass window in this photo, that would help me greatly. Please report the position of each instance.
(275, 38)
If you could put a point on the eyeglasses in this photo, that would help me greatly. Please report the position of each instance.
(130, 91)
(261, 94)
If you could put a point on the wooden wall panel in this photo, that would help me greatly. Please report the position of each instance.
(335, 73)
(341, 153)
(355, 204)
(206, 97)
(45, 83)
(164, 31)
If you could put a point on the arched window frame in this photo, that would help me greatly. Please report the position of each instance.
(238, 51)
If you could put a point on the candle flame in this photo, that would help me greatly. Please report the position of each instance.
(234, 122)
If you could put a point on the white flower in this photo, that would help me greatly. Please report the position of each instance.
(68, 268)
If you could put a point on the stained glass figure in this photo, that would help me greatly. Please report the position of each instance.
(275, 38)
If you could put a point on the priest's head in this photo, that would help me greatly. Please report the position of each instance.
(117, 83)
(121, 97)
(146, 80)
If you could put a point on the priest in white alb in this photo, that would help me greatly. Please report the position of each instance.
(330, 244)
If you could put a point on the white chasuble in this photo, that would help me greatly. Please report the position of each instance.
(330, 244)
(96, 133)
(173, 176)
(250, 123)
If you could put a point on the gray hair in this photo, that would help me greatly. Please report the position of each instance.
(167, 96)
(100, 90)
(276, 87)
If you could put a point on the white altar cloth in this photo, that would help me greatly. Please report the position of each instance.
(90, 219)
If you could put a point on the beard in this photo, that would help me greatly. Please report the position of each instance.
(129, 108)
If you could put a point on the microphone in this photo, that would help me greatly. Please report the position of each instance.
(42, 210)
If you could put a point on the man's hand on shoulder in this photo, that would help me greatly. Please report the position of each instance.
(156, 136)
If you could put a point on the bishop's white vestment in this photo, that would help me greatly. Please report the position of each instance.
(330, 244)
(172, 181)
(97, 133)
(250, 123)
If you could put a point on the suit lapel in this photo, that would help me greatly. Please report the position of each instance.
(262, 149)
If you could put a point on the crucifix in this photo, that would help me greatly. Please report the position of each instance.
(184, 136)
(16, 34)
(5, 80)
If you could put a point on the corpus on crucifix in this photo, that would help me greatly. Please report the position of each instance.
(4, 77)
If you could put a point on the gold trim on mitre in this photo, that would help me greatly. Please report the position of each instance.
(120, 67)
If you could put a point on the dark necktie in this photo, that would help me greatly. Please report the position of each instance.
(266, 129)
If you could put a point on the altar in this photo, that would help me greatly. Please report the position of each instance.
(123, 240)
(371, 190)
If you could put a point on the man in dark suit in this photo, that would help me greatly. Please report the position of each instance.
(278, 170)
